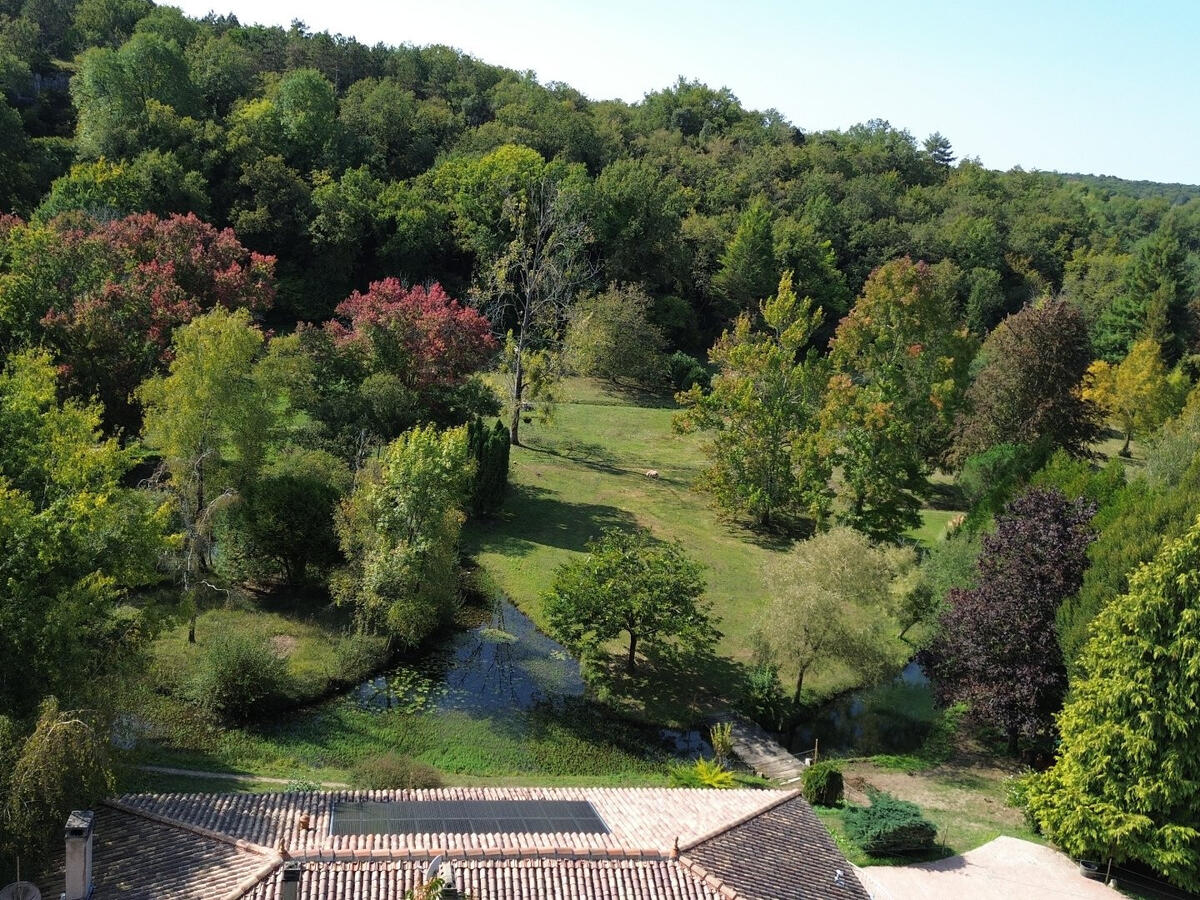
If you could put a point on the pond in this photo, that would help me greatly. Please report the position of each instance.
(894, 717)
(498, 663)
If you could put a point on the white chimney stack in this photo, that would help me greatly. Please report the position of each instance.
(78, 836)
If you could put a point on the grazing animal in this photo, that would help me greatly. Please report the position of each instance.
(652, 473)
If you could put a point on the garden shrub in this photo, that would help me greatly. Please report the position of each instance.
(889, 826)
(392, 770)
(764, 700)
(823, 785)
(356, 656)
(685, 371)
(1016, 795)
(721, 738)
(704, 773)
(239, 676)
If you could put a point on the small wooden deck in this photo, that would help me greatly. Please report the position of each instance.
(758, 750)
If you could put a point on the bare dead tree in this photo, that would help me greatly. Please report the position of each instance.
(531, 283)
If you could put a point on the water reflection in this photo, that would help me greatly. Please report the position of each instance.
(889, 718)
(499, 663)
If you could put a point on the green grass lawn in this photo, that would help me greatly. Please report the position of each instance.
(323, 744)
(587, 471)
(933, 525)
(308, 640)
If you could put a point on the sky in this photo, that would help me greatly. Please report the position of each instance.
(1107, 86)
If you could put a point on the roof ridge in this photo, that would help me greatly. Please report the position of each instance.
(272, 858)
(403, 854)
(739, 821)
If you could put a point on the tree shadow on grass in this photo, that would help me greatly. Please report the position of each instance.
(670, 686)
(945, 496)
(534, 516)
(583, 453)
(633, 395)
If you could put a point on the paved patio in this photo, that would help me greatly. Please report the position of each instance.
(1003, 869)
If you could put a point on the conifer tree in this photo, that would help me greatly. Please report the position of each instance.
(1125, 782)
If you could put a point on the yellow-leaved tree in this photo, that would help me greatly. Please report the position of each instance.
(1139, 393)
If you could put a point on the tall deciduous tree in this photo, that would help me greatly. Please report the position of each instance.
(900, 361)
(629, 582)
(611, 336)
(830, 601)
(1028, 389)
(73, 543)
(998, 648)
(392, 358)
(532, 266)
(399, 531)
(762, 409)
(209, 419)
(1139, 392)
(107, 296)
(1124, 783)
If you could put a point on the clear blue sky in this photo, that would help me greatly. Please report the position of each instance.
(1107, 86)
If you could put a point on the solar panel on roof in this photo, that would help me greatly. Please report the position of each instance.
(466, 817)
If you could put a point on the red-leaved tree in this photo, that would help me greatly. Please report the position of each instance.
(393, 358)
(997, 649)
(421, 334)
(126, 285)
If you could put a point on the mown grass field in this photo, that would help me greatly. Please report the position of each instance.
(586, 471)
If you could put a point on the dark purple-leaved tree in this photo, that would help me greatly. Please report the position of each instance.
(997, 648)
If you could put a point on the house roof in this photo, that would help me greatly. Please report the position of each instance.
(661, 844)
(136, 857)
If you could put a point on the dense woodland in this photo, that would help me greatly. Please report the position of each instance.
(263, 293)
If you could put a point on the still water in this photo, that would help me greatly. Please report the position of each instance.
(499, 662)
(894, 717)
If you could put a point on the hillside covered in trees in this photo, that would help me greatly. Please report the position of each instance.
(263, 293)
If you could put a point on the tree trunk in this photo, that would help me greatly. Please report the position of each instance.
(514, 427)
(192, 628)
(631, 660)
(1125, 454)
(799, 685)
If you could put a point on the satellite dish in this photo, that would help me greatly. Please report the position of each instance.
(20, 890)
(431, 871)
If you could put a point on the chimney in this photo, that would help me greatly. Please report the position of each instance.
(291, 880)
(78, 837)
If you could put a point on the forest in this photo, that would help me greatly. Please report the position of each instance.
(278, 307)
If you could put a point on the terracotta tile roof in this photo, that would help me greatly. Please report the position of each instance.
(757, 845)
(784, 853)
(137, 858)
(502, 880)
(638, 818)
